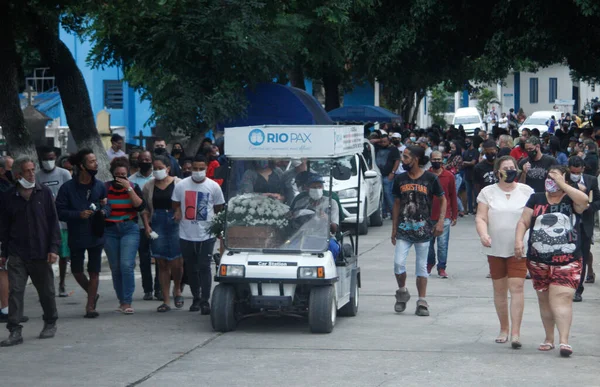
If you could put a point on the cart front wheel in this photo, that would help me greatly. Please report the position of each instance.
(322, 309)
(222, 314)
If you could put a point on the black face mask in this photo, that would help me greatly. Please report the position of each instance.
(145, 167)
(160, 151)
(187, 174)
(396, 143)
(532, 154)
(9, 176)
(490, 157)
(436, 164)
(406, 167)
(91, 172)
(468, 145)
(522, 145)
(511, 176)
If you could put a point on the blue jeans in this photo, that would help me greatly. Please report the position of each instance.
(122, 241)
(470, 187)
(458, 178)
(388, 197)
(401, 254)
(442, 247)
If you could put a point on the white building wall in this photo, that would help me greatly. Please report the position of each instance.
(564, 89)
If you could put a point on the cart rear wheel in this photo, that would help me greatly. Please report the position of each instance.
(351, 308)
(363, 227)
(322, 309)
(222, 314)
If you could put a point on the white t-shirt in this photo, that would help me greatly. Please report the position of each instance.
(503, 215)
(503, 123)
(197, 201)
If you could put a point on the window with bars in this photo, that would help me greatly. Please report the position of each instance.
(553, 90)
(113, 94)
(533, 90)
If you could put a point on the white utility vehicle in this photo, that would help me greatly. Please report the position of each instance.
(469, 118)
(370, 210)
(538, 120)
(279, 259)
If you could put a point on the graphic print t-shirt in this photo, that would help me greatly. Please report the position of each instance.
(484, 174)
(553, 234)
(536, 176)
(197, 202)
(416, 198)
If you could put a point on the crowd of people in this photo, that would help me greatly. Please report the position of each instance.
(544, 186)
(159, 204)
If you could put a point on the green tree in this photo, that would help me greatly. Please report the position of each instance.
(438, 105)
(485, 97)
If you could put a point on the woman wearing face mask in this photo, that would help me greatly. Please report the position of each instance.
(264, 179)
(498, 212)
(163, 231)
(554, 252)
(122, 232)
(178, 152)
(455, 165)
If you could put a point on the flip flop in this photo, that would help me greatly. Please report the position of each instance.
(501, 339)
(545, 347)
(566, 350)
(163, 308)
(515, 343)
(178, 301)
(128, 310)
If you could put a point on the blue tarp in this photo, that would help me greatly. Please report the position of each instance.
(275, 104)
(363, 113)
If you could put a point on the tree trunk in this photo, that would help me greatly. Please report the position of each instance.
(72, 88)
(297, 75)
(17, 135)
(419, 98)
(331, 83)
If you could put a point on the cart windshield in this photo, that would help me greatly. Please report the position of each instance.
(264, 212)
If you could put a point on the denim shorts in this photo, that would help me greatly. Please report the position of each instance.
(401, 254)
(167, 245)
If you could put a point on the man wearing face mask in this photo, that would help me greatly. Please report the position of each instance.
(535, 167)
(483, 174)
(316, 200)
(196, 200)
(141, 178)
(388, 159)
(6, 178)
(589, 185)
(30, 238)
(470, 157)
(54, 177)
(160, 148)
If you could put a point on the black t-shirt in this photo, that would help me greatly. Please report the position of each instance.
(504, 151)
(470, 155)
(484, 174)
(161, 198)
(536, 176)
(386, 157)
(553, 235)
(416, 198)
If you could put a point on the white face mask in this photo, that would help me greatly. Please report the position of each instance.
(199, 176)
(26, 184)
(315, 193)
(48, 165)
(575, 178)
(160, 174)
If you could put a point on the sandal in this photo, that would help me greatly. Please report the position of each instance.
(128, 310)
(163, 308)
(502, 338)
(590, 279)
(178, 301)
(422, 308)
(566, 350)
(515, 342)
(545, 347)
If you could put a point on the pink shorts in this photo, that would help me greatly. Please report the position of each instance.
(543, 275)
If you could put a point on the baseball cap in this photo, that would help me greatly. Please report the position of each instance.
(315, 178)
(396, 135)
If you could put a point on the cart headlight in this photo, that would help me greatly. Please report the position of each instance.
(231, 270)
(348, 193)
(311, 272)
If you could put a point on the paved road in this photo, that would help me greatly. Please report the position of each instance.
(452, 347)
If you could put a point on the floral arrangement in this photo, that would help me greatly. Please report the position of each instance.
(257, 210)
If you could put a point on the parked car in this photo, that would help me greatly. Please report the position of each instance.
(469, 118)
(538, 120)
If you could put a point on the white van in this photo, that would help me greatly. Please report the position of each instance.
(537, 120)
(469, 118)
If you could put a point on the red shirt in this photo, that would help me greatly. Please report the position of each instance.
(518, 153)
(448, 183)
(210, 171)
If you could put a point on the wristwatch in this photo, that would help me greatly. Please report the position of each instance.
(129, 189)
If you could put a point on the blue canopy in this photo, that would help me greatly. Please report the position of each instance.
(364, 113)
(275, 104)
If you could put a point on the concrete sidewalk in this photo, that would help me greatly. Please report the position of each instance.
(453, 347)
